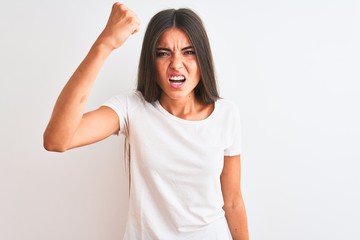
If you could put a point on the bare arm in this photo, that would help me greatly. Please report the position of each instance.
(69, 127)
(234, 206)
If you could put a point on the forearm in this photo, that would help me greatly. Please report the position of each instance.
(237, 221)
(68, 112)
(69, 108)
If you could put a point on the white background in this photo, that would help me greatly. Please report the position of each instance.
(291, 66)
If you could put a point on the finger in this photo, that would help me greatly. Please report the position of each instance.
(136, 29)
(136, 23)
(118, 4)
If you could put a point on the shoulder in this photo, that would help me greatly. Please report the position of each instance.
(227, 106)
(227, 112)
(125, 103)
(127, 99)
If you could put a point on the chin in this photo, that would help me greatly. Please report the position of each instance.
(179, 95)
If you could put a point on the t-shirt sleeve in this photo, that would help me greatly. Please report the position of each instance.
(123, 105)
(119, 104)
(234, 123)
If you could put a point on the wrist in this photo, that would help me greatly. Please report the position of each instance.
(102, 47)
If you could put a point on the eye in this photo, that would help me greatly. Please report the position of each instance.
(189, 52)
(162, 54)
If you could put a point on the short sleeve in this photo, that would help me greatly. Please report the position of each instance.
(123, 104)
(119, 105)
(234, 123)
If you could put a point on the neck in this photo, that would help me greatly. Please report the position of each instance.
(188, 108)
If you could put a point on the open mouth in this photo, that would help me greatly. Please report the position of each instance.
(177, 81)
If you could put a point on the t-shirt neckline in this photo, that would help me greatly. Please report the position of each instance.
(181, 120)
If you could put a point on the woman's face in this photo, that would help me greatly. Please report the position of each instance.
(176, 65)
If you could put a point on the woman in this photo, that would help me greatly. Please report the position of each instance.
(184, 140)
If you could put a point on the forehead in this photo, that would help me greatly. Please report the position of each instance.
(174, 37)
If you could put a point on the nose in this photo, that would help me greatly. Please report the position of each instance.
(176, 62)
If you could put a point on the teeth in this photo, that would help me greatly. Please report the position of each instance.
(177, 78)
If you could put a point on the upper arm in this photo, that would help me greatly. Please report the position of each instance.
(230, 180)
(95, 126)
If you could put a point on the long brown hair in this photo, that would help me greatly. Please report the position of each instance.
(188, 21)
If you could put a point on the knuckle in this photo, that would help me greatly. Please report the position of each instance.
(119, 6)
(123, 7)
(115, 5)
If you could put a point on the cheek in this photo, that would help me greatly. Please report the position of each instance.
(160, 73)
(158, 70)
(195, 71)
(193, 66)
(160, 67)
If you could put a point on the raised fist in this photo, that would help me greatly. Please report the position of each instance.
(121, 24)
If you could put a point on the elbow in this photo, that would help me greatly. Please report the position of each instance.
(234, 202)
(51, 145)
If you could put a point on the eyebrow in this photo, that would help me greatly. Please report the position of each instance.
(169, 50)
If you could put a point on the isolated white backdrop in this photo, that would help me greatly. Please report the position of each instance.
(291, 66)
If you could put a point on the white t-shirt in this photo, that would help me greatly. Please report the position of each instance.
(175, 167)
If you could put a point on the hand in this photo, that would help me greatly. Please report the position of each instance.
(121, 24)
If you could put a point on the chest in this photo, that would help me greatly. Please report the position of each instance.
(183, 149)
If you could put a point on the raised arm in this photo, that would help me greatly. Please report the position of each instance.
(69, 127)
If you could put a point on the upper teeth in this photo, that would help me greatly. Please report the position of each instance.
(177, 78)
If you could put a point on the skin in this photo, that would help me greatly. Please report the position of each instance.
(176, 57)
(234, 206)
(70, 127)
